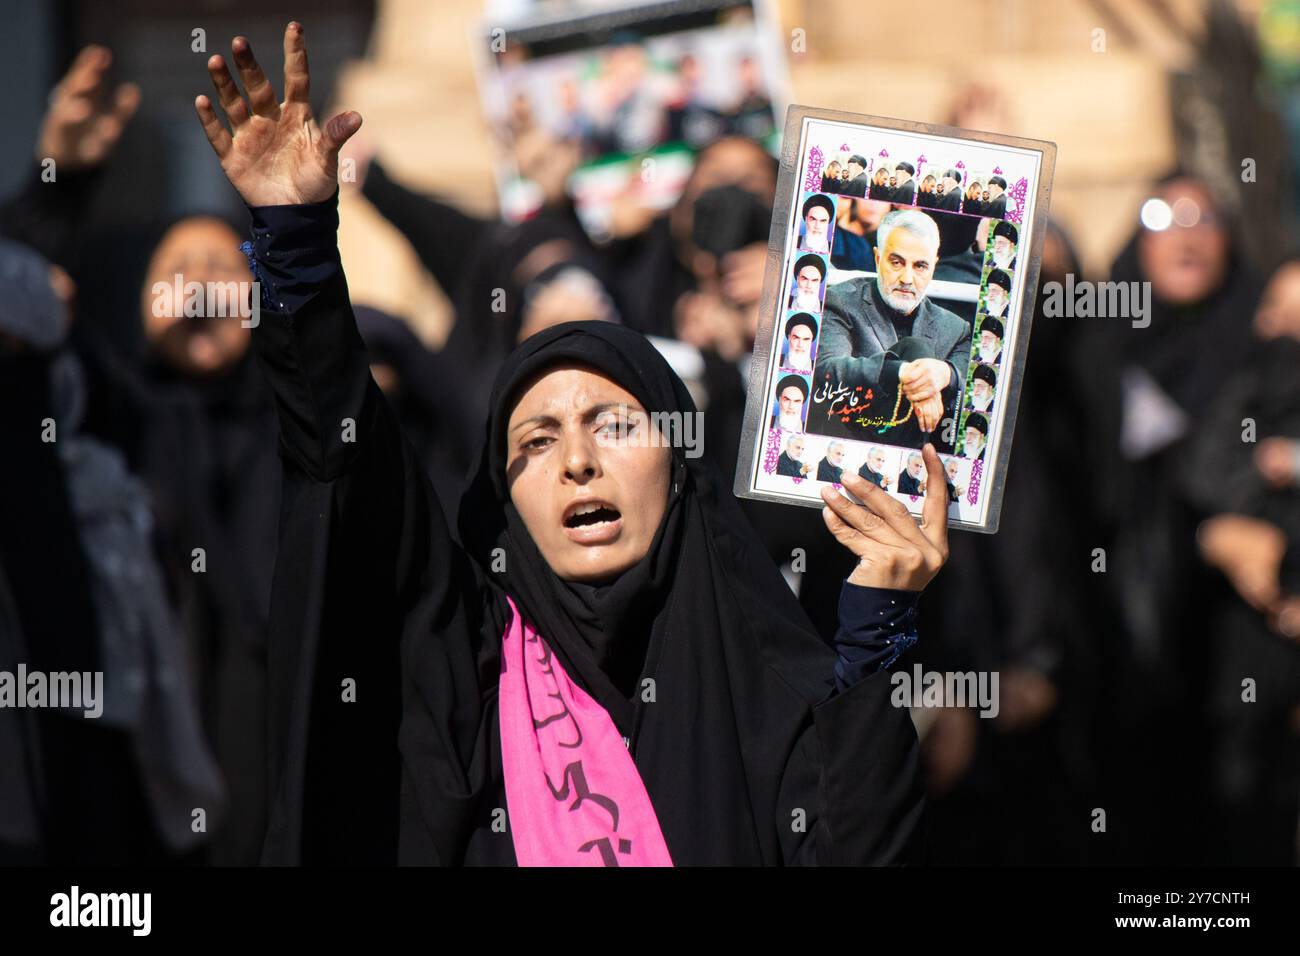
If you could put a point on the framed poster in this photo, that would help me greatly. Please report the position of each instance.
(637, 87)
(901, 275)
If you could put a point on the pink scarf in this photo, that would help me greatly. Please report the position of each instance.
(573, 793)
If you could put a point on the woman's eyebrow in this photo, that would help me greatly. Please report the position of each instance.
(588, 415)
(535, 420)
(602, 407)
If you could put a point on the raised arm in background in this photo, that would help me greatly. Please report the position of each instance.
(82, 126)
(362, 539)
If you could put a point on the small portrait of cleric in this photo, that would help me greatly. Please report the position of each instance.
(1005, 238)
(807, 283)
(797, 347)
(890, 362)
(790, 403)
(997, 293)
(815, 232)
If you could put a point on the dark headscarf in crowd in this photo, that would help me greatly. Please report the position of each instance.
(428, 399)
(1186, 348)
(77, 521)
(1146, 516)
(491, 301)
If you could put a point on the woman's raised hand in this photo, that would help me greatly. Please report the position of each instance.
(892, 551)
(274, 153)
(86, 117)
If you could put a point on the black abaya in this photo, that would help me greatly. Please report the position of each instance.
(748, 754)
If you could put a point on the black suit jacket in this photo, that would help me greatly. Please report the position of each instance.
(857, 186)
(787, 466)
(859, 350)
(950, 200)
(904, 194)
(874, 477)
(997, 208)
(857, 336)
(828, 472)
(907, 485)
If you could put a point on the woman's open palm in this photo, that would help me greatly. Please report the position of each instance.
(892, 551)
(274, 153)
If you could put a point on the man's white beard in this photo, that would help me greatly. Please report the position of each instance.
(790, 423)
(799, 360)
(815, 243)
(807, 303)
(907, 308)
(995, 309)
(1002, 261)
(972, 451)
(982, 404)
(987, 356)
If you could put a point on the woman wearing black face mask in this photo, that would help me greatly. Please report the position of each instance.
(713, 241)
(605, 669)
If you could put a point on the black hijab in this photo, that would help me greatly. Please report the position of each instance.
(736, 664)
(490, 302)
(1187, 349)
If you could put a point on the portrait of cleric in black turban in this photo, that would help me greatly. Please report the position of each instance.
(977, 436)
(1005, 238)
(790, 403)
(816, 223)
(997, 293)
(807, 283)
(891, 362)
(797, 349)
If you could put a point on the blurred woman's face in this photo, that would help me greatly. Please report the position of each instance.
(586, 473)
(732, 161)
(204, 251)
(1185, 264)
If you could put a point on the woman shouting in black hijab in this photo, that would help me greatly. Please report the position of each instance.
(605, 668)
